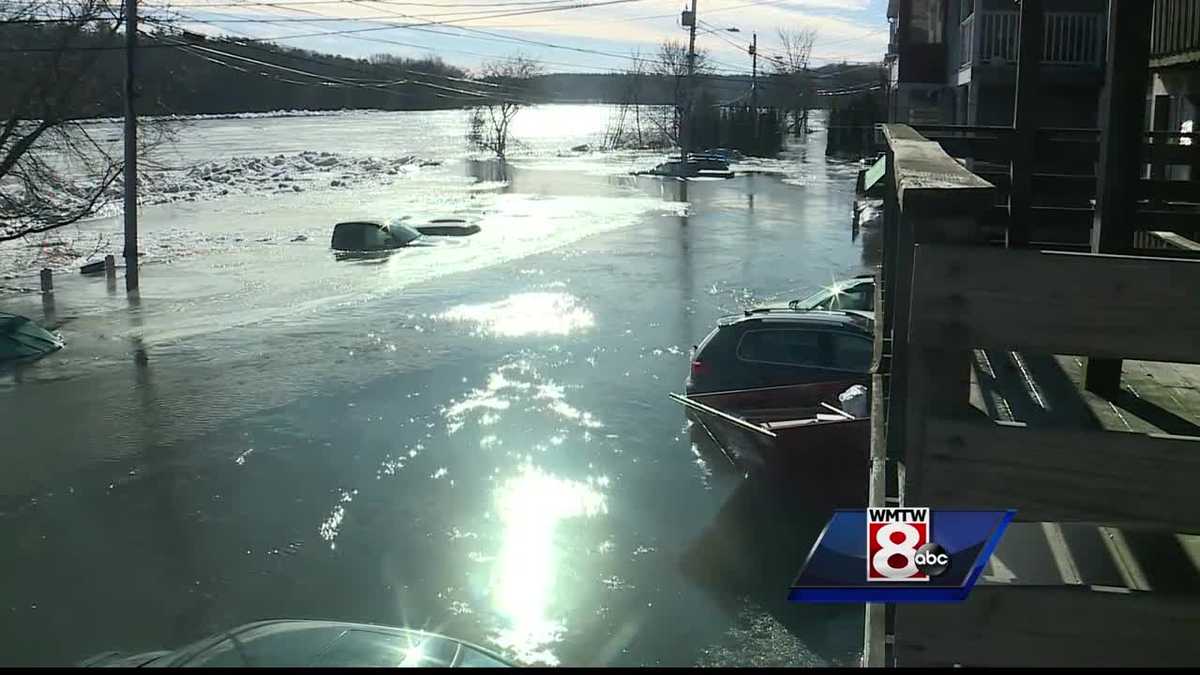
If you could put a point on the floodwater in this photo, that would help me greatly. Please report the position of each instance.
(472, 437)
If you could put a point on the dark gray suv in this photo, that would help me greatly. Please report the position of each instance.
(771, 347)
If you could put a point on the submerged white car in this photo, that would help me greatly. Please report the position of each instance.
(857, 294)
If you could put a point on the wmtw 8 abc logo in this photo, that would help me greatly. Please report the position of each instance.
(899, 546)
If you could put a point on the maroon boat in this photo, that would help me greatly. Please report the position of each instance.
(800, 430)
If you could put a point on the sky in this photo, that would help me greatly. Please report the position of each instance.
(577, 35)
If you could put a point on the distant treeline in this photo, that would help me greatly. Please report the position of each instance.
(773, 91)
(195, 74)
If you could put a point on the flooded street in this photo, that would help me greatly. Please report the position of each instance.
(472, 437)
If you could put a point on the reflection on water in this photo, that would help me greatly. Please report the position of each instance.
(532, 506)
(329, 527)
(538, 313)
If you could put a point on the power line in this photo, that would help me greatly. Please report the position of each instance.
(387, 66)
(410, 44)
(326, 80)
(427, 27)
(468, 15)
(515, 3)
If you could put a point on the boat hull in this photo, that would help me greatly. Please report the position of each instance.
(827, 458)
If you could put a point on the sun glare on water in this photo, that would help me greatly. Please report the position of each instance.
(532, 506)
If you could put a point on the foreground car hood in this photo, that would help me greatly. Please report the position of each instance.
(300, 643)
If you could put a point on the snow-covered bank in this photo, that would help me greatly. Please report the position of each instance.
(279, 173)
(67, 248)
(269, 114)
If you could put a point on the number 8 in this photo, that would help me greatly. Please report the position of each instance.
(881, 561)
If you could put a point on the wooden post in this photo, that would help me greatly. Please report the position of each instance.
(1029, 60)
(47, 280)
(937, 200)
(1122, 123)
(110, 266)
(930, 198)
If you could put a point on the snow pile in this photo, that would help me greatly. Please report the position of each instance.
(237, 115)
(276, 174)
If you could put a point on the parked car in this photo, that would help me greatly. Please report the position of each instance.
(853, 294)
(778, 346)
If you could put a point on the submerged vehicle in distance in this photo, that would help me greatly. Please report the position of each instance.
(293, 643)
(371, 235)
(23, 340)
(447, 227)
(705, 167)
(374, 235)
(725, 154)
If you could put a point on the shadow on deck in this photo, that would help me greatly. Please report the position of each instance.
(1046, 391)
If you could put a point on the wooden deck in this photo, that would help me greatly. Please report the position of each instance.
(982, 355)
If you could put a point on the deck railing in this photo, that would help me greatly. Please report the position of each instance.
(1176, 30)
(944, 295)
(1071, 38)
(1063, 183)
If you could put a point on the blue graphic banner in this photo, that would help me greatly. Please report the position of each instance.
(900, 555)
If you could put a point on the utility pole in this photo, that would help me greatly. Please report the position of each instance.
(685, 125)
(754, 73)
(754, 82)
(131, 248)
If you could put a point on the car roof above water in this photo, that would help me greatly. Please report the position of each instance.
(839, 319)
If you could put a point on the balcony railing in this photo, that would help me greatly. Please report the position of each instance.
(1176, 28)
(1070, 38)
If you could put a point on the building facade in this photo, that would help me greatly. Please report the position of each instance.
(1175, 76)
(955, 61)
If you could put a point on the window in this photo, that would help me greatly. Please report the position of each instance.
(787, 347)
(807, 348)
(851, 352)
(359, 237)
(860, 297)
(926, 26)
(403, 234)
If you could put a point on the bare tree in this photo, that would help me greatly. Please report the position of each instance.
(510, 90)
(792, 76)
(672, 65)
(627, 127)
(53, 170)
